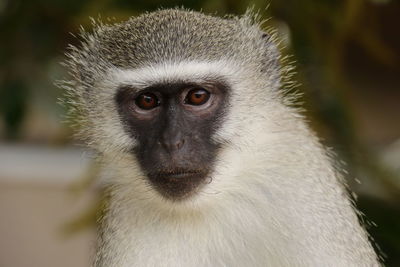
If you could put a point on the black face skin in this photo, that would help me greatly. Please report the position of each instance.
(173, 124)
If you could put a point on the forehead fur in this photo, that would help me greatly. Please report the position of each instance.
(172, 35)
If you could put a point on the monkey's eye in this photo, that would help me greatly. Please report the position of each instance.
(147, 101)
(197, 97)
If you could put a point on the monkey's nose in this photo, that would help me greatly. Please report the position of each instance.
(174, 142)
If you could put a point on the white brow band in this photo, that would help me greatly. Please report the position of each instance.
(182, 71)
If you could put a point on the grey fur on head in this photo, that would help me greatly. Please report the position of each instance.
(153, 38)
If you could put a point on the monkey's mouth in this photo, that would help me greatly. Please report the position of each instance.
(178, 184)
(178, 174)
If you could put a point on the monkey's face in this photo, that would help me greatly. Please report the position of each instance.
(173, 124)
(174, 99)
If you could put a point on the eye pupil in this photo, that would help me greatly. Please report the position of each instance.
(147, 101)
(197, 97)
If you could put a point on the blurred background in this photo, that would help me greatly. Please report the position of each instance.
(347, 55)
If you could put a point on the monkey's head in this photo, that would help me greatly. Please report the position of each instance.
(176, 99)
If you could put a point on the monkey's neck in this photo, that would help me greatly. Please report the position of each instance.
(265, 226)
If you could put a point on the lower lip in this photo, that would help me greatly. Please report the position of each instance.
(179, 176)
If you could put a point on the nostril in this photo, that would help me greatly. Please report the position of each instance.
(180, 143)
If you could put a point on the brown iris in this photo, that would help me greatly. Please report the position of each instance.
(197, 97)
(147, 101)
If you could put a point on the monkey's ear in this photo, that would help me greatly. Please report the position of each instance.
(270, 40)
(265, 35)
(271, 53)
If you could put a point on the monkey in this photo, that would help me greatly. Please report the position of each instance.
(208, 160)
